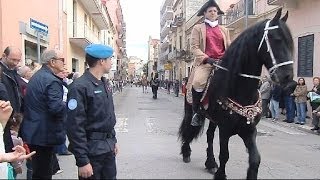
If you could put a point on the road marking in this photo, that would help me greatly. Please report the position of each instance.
(281, 129)
(121, 125)
(150, 125)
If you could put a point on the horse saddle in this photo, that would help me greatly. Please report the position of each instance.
(205, 99)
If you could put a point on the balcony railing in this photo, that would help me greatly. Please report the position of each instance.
(97, 11)
(273, 2)
(222, 19)
(164, 55)
(81, 30)
(238, 11)
(176, 54)
(165, 29)
(168, 14)
(178, 20)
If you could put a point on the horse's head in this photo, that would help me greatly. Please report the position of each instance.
(276, 49)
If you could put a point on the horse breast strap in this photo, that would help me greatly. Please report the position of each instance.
(250, 111)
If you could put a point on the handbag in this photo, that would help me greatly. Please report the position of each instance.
(314, 97)
(10, 172)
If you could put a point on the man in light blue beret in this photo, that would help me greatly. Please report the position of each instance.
(91, 117)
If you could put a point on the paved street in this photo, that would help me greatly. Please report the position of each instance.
(147, 135)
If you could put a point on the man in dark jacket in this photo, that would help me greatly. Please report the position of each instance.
(289, 103)
(45, 111)
(91, 117)
(155, 85)
(11, 57)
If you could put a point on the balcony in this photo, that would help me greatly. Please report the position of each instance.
(164, 4)
(274, 2)
(173, 27)
(165, 43)
(119, 29)
(119, 14)
(235, 15)
(165, 29)
(176, 55)
(97, 12)
(163, 57)
(178, 20)
(82, 35)
(222, 19)
(167, 15)
(188, 57)
(124, 26)
(119, 43)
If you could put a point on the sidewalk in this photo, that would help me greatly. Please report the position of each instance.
(306, 128)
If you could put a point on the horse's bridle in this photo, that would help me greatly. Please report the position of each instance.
(265, 38)
(269, 49)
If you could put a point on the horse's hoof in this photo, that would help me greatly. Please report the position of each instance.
(211, 170)
(220, 176)
(186, 159)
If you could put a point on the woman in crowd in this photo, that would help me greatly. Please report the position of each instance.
(314, 104)
(300, 94)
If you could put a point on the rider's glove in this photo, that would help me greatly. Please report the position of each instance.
(209, 61)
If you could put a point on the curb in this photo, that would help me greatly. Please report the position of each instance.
(305, 128)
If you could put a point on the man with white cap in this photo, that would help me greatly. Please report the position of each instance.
(91, 117)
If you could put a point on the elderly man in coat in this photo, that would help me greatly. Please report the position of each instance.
(208, 44)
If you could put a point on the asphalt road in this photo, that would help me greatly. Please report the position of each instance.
(149, 148)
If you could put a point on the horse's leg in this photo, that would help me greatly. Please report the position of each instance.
(249, 140)
(211, 162)
(186, 152)
(223, 155)
(187, 132)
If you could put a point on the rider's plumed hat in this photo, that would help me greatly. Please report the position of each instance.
(210, 3)
(99, 51)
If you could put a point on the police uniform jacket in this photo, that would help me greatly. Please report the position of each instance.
(90, 118)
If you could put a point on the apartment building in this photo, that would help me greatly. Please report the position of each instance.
(153, 57)
(88, 22)
(20, 22)
(135, 65)
(115, 11)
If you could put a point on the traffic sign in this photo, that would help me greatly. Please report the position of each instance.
(38, 26)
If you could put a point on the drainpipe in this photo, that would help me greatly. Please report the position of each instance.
(60, 25)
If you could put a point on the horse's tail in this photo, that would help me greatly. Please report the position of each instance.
(187, 132)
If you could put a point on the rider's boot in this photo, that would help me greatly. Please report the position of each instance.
(198, 117)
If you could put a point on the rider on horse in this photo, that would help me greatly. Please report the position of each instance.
(208, 44)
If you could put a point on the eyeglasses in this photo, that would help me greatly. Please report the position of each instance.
(59, 59)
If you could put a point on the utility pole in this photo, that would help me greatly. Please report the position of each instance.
(246, 3)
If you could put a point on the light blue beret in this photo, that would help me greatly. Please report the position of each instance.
(99, 51)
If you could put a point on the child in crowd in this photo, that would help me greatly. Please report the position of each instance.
(14, 129)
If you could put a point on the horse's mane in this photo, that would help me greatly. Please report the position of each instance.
(238, 58)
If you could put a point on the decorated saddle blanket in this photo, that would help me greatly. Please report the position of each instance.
(205, 97)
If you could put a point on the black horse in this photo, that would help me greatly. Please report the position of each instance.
(234, 101)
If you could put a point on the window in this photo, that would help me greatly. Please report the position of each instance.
(305, 56)
(85, 19)
(75, 64)
(180, 40)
